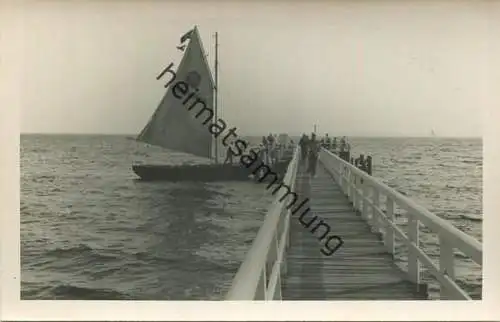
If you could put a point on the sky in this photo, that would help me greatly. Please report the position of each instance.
(358, 68)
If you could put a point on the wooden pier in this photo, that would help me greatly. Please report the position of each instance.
(285, 261)
(361, 269)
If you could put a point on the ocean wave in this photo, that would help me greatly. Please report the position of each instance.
(154, 258)
(212, 266)
(82, 253)
(473, 161)
(472, 217)
(70, 250)
(43, 178)
(403, 161)
(73, 292)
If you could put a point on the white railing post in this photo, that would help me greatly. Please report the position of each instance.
(350, 186)
(272, 258)
(446, 264)
(376, 204)
(389, 232)
(287, 246)
(413, 262)
(356, 191)
(364, 188)
(342, 178)
(346, 179)
(260, 293)
(357, 195)
(345, 183)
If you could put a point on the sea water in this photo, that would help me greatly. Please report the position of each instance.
(90, 230)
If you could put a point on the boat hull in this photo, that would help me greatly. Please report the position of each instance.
(203, 172)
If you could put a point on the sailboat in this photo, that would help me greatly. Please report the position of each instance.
(176, 126)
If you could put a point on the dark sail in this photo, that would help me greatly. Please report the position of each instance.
(173, 126)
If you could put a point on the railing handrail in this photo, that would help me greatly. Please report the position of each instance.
(462, 241)
(247, 278)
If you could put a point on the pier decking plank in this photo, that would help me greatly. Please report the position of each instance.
(360, 269)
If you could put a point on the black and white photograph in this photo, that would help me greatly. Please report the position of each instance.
(252, 151)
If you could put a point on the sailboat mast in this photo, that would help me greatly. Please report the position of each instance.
(216, 90)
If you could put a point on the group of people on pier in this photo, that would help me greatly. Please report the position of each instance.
(363, 163)
(310, 147)
(331, 144)
(268, 151)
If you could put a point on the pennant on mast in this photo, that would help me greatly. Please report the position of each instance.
(187, 35)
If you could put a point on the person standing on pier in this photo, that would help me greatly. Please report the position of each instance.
(344, 145)
(273, 153)
(314, 148)
(328, 142)
(264, 148)
(272, 148)
(260, 152)
(276, 150)
(304, 145)
(229, 155)
(270, 139)
(361, 162)
(334, 144)
(264, 143)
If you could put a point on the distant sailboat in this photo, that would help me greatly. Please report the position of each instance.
(174, 126)
(432, 133)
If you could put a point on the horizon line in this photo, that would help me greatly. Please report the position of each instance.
(259, 135)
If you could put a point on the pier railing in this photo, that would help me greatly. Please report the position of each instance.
(259, 276)
(365, 193)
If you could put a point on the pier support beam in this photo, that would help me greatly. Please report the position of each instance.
(389, 232)
(446, 264)
(413, 262)
(377, 223)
